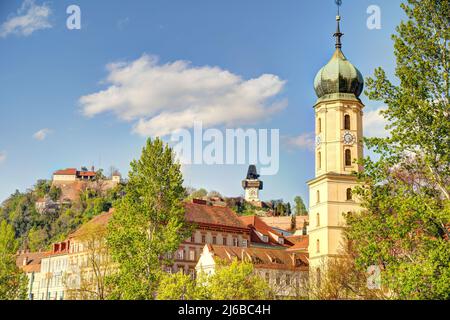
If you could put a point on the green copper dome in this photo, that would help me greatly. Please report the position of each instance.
(338, 75)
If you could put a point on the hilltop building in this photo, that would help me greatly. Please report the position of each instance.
(252, 185)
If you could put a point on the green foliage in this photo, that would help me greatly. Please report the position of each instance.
(55, 193)
(13, 282)
(237, 281)
(178, 286)
(300, 208)
(148, 222)
(37, 231)
(405, 225)
(198, 194)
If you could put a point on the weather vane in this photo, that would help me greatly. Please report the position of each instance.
(338, 3)
(338, 33)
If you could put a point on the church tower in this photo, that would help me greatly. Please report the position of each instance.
(338, 126)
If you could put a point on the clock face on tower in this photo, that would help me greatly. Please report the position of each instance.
(348, 138)
(252, 192)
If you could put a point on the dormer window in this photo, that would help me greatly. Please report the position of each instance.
(281, 240)
(265, 238)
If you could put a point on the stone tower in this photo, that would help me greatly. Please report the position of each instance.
(252, 185)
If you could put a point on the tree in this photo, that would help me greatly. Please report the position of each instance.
(300, 208)
(13, 282)
(293, 223)
(213, 194)
(148, 222)
(341, 279)
(237, 281)
(280, 209)
(55, 193)
(199, 194)
(178, 286)
(91, 280)
(288, 209)
(404, 225)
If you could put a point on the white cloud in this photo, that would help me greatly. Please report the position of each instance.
(161, 98)
(374, 124)
(42, 134)
(2, 156)
(29, 18)
(304, 141)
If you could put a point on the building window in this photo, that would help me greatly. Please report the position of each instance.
(319, 125)
(348, 157)
(349, 194)
(347, 122)
(278, 280)
(319, 160)
(224, 241)
(180, 254)
(245, 243)
(318, 220)
(192, 255)
(235, 242)
(193, 238)
(288, 279)
(267, 277)
(318, 196)
(214, 240)
(203, 239)
(318, 246)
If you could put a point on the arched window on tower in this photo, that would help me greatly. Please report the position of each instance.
(347, 122)
(319, 160)
(318, 246)
(348, 157)
(318, 196)
(349, 194)
(318, 220)
(319, 125)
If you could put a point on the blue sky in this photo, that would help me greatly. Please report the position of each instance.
(46, 69)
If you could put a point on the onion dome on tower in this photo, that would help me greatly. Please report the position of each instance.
(338, 78)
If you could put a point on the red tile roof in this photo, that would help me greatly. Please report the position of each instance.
(264, 258)
(66, 172)
(212, 215)
(86, 173)
(300, 243)
(33, 261)
(256, 223)
(195, 213)
(100, 220)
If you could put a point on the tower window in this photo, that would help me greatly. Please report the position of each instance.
(319, 125)
(348, 157)
(349, 194)
(318, 219)
(319, 160)
(347, 122)
(318, 196)
(317, 245)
